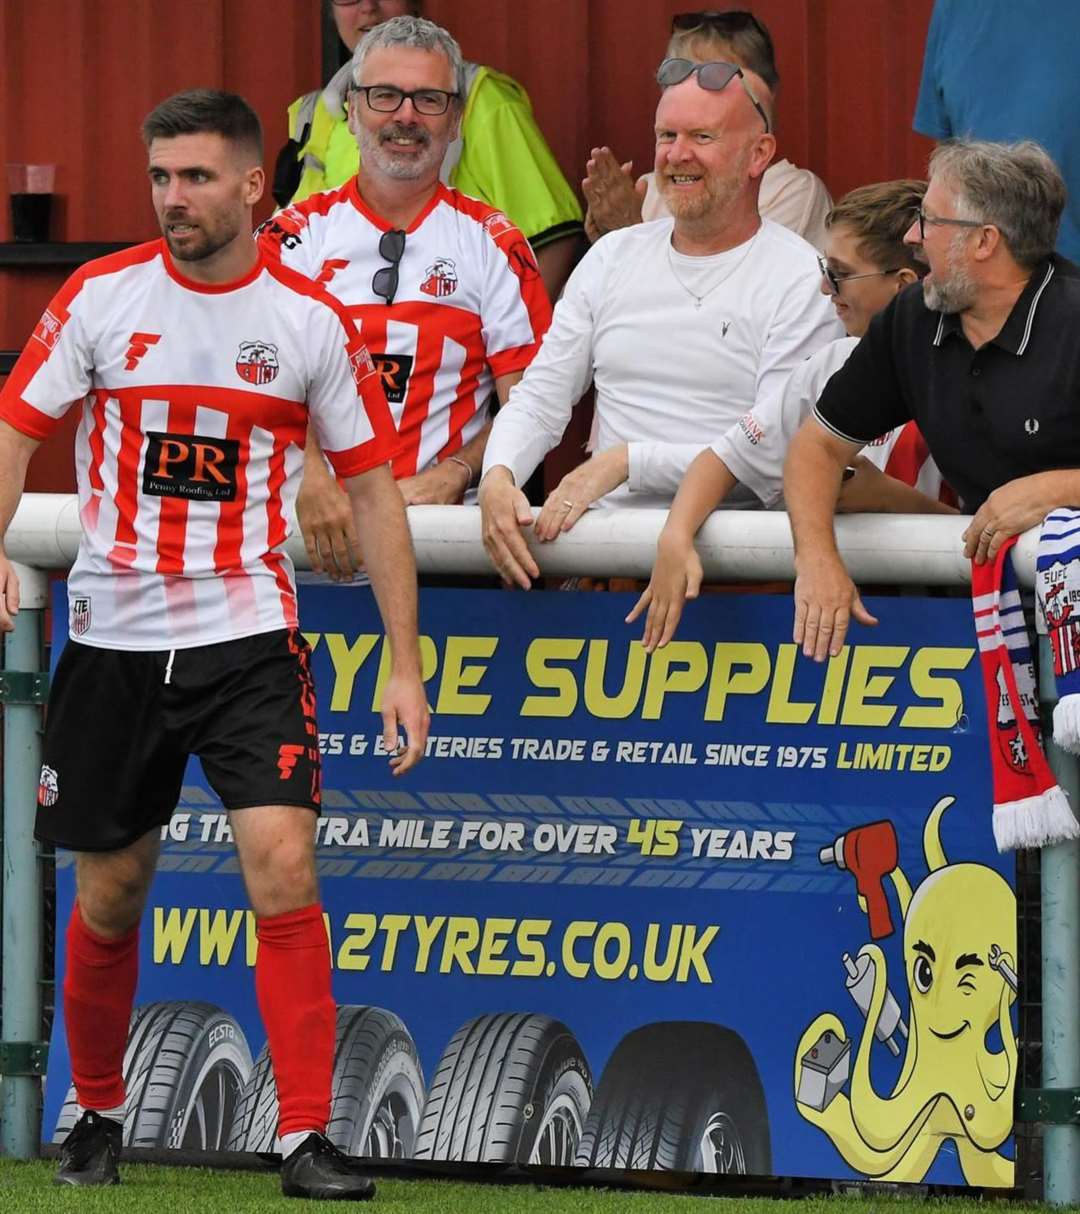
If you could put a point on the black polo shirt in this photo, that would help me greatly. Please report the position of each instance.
(1008, 409)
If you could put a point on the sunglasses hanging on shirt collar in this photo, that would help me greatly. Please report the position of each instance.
(391, 249)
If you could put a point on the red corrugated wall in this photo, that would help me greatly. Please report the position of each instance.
(79, 76)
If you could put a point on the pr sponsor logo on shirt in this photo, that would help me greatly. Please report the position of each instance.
(750, 426)
(48, 787)
(188, 466)
(394, 371)
(441, 278)
(257, 362)
(48, 330)
(80, 615)
(363, 365)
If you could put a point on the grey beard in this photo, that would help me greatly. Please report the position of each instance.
(955, 294)
(375, 152)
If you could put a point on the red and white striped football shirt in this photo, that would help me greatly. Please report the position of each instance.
(195, 404)
(470, 306)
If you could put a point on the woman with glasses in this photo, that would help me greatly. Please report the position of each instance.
(789, 195)
(866, 265)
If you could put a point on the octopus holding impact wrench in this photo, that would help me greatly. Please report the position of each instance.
(959, 965)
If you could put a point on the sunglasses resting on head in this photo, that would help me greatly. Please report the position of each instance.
(714, 76)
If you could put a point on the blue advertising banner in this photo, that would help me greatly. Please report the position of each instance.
(744, 903)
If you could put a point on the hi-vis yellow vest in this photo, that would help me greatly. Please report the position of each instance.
(501, 156)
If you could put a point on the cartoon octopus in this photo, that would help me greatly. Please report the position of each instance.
(959, 950)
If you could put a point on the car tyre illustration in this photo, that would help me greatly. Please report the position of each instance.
(377, 1090)
(185, 1066)
(510, 1087)
(681, 1097)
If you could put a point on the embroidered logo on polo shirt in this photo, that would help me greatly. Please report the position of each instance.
(1031, 426)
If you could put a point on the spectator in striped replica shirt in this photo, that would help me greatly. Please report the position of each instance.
(196, 364)
(866, 264)
(445, 288)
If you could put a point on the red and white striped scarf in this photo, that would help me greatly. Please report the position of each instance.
(1030, 808)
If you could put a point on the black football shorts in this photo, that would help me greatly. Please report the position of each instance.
(121, 724)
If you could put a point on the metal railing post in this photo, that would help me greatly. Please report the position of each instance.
(24, 687)
(1060, 867)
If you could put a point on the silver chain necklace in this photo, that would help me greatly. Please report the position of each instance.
(700, 299)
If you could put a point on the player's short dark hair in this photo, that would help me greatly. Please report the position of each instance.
(209, 111)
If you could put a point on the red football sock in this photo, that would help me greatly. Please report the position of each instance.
(292, 985)
(99, 990)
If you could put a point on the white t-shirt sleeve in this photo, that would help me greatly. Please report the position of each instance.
(538, 410)
(754, 449)
(659, 467)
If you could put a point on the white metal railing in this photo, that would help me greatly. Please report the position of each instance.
(735, 545)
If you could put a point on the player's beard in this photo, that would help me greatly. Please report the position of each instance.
(953, 290)
(205, 240)
(377, 150)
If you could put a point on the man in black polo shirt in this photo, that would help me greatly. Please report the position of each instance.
(983, 354)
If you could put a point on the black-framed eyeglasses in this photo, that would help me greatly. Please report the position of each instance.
(386, 99)
(714, 76)
(836, 281)
(919, 216)
(391, 248)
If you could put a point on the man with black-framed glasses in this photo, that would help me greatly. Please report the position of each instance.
(983, 358)
(445, 289)
(500, 155)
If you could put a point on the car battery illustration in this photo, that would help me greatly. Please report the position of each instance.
(825, 1069)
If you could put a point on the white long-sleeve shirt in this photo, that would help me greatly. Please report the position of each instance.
(669, 375)
(755, 448)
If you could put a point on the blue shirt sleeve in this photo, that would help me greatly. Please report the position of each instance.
(931, 116)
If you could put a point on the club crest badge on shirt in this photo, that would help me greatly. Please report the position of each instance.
(441, 280)
(80, 615)
(257, 362)
(48, 787)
